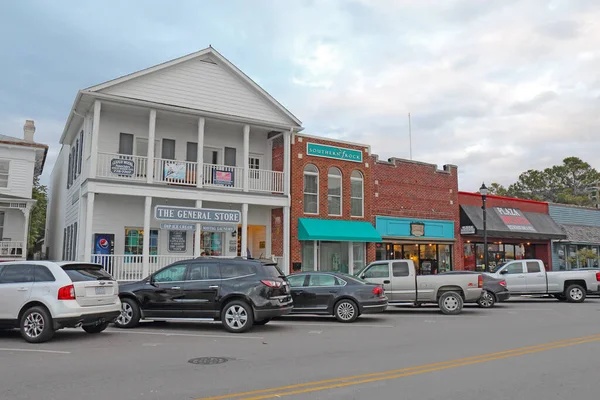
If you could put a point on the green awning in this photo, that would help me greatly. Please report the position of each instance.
(336, 230)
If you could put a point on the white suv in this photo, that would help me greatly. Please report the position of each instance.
(40, 297)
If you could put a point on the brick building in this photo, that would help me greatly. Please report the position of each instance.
(517, 229)
(415, 210)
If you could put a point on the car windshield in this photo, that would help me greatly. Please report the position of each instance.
(86, 272)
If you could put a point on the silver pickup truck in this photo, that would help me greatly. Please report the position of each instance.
(530, 277)
(403, 286)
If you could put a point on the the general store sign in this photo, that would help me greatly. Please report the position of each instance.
(198, 215)
(514, 219)
(337, 153)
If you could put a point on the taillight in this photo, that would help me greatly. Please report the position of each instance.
(598, 276)
(272, 283)
(66, 293)
(502, 283)
(378, 291)
(480, 281)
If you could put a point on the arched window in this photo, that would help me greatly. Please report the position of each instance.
(311, 189)
(357, 194)
(334, 191)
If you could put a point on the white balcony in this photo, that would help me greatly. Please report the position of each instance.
(175, 172)
(122, 167)
(10, 250)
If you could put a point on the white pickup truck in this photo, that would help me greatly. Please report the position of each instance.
(529, 277)
(402, 285)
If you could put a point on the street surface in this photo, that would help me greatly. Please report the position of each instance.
(522, 349)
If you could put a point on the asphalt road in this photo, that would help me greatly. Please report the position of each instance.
(526, 349)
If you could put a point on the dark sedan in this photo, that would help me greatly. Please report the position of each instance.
(341, 295)
(494, 290)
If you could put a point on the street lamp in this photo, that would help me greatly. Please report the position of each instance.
(483, 190)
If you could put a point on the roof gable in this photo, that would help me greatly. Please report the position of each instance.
(205, 81)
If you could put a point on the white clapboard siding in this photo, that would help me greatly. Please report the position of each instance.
(22, 164)
(201, 85)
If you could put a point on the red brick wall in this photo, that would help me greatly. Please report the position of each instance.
(277, 213)
(411, 189)
(299, 160)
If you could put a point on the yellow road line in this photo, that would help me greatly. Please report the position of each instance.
(392, 374)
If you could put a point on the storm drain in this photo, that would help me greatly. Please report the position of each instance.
(209, 360)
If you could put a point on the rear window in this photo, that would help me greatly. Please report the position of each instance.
(80, 273)
(272, 271)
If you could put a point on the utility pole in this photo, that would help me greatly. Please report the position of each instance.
(409, 136)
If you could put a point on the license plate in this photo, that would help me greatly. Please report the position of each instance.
(100, 290)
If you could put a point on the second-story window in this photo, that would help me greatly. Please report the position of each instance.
(168, 149)
(311, 189)
(334, 191)
(126, 143)
(356, 194)
(4, 169)
(191, 152)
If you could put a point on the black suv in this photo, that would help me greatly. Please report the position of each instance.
(239, 292)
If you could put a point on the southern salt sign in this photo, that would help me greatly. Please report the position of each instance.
(198, 215)
(337, 153)
(514, 219)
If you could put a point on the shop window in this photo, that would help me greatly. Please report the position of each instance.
(444, 258)
(358, 255)
(560, 250)
(509, 251)
(380, 252)
(469, 257)
(311, 189)
(428, 259)
(308, 256)
(356, 194)
(333, 256)
(134, 244)
(211, 244)
(334, 191)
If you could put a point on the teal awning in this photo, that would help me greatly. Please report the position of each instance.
(336, 230)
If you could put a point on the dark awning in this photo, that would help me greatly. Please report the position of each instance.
(582, 234)
(509, 223)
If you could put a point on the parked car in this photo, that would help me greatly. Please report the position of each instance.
(239, 292)
(344, 296)
(40, 297)
(403, 286)
(494, 290)
(531, 278)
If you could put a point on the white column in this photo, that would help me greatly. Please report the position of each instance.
(95, 133)
(151, 136)
(286, 239)
(198, 234)
(146, 248)
(89, 218)
(315, 255)
(244, 240)
(26, 213)
(286, 161)
(350, 258)
(246, 157)
(200, 157)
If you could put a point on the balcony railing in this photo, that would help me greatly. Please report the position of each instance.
(11, 249)
(175, 172)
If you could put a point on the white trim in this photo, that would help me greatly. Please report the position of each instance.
(341, 195)
(362, 180)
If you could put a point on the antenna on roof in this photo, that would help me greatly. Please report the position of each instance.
(409, 136)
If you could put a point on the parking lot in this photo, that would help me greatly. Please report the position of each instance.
(509, 352)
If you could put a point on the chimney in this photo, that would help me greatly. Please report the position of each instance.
(28, 130)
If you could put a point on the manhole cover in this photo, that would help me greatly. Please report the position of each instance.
(209, 360)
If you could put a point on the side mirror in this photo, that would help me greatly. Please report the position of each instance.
(152, 281)
(503, 272)
(363, 276)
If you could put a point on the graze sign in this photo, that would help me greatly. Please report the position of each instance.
(119, 166)
(514, 219)
(198, 215)
(417, 229)
(337, 153)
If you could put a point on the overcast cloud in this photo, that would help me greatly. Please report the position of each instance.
(496, 87)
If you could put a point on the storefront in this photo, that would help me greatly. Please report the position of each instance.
(513, 233)
(429, 243)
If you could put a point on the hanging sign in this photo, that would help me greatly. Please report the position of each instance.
(119, 166)
(417, 229)
(467, 230)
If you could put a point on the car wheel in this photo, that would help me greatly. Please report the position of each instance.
(346, 311)
(575, 294)
(95, 328)
(262, 322)
(487, 300)
(450, 303)
(36, 325)
(237, 316)
(130, 314)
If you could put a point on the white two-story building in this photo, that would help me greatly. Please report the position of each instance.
(194, 132)
(21, 160)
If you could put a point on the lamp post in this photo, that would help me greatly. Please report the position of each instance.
(483, 190)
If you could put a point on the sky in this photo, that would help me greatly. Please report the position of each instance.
(496, 87)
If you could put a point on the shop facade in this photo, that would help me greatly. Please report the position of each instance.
(581, 247)
(516, 229)
(331, 219)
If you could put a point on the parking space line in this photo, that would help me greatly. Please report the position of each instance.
(36, 351)
(186, 334)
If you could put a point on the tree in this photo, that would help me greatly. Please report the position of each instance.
(37, 217)
(498, 190)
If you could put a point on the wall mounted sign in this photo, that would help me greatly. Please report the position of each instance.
(417, 229)
(514, 219)
(223, 177)
(177, 241)
(467, 230)
(178, 227)
(218, 228)
(233, 246)
(198, 215)
(337, 153)
(121, 166)
(174, 171)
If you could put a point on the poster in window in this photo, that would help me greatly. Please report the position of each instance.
(177, 241)
(222, 177)
(175, 171)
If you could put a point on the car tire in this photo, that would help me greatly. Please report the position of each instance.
(487, 299)
(575, 294)
(262, 322)
(36, 325)
(130, 314)
(237, 317)
(345, 311)
(95, 328)
(450, 303)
